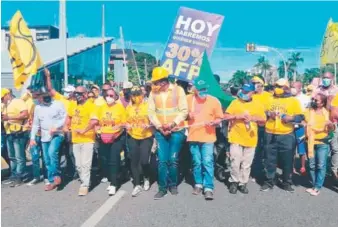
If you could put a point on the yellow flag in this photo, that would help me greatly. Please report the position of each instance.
(329, 50)
(24, 55)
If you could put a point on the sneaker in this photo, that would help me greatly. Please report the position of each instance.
(208, 195)
(159, 195)
(46, 182)
(109, 187)
(9, 180)
(173, 190)
(233, 188)
(266, 187)
(33, 182)
(104, 180)
(243, 189)
(146, 185)
(197, 190)
(310, 190)
(137, 190)
(50, 187)
(288, 188)
(315, 192)
(16, 183)
(57, 180)
(112, 190)
(83, 191)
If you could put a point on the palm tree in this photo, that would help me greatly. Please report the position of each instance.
(264, 65)
(309, 74)
(294, 60)
(239, 78)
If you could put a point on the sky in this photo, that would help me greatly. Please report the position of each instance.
(288, 26)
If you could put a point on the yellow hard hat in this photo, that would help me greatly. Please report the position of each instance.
(4, 91)
(159, 73)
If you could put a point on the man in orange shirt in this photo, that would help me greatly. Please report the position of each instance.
(205, 113)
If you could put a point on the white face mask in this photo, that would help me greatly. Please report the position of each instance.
(293, 91)
(110, 100)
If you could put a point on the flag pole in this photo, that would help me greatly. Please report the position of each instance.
(145, 70)
(63, 33)
(125, 78)
(103, 48)
(137, 72)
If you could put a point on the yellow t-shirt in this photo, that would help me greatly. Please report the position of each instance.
(334, 102)
(239, 132)
(289, 106)
(264, 98)
(319, 125)
(110, 117)
(136, 117)
(27, 98)
(80, 118)
(13, 109)
(69, 104)
(99, 101)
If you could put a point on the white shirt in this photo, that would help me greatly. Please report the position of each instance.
(304, 100)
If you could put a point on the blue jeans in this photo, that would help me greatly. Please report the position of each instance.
(36, 154)
(16, 151)
(51, 156)
(168, 150)
(317, 165)
(203, 164)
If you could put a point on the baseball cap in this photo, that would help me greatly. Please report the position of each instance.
(136, 91)
(282, 82)
(4, 91)
(256, 79)
(127, 85)
(69, 88)
(95, 86)
(200, 84)
(248, 88)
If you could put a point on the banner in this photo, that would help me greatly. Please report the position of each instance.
(25, 58)
(329, 50)
(193, 33)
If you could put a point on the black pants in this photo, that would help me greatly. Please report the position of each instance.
(279, 149)
(257, 168)
(110, 158)
(139, 151)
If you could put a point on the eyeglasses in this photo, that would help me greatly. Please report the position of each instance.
(79, 93)
(90, 97)
(111, 96)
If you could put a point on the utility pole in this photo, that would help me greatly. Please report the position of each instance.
(63, 37)
(125, 76)
(145, 70)
(137, 72)
(103, 49)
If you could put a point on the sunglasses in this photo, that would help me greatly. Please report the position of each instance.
(111, 96)
(79, 93)
(90, 97)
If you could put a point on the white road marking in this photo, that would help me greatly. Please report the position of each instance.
(103, 210)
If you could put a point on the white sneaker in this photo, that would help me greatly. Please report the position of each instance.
(33, 182)
(112, 190)
(146, 185)
(137, 190)
(46, 181)
(104, 180)
(109, 187)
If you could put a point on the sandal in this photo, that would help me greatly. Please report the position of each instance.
(315, 192)
(309, 190)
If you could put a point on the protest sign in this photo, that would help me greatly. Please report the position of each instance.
(193, 33)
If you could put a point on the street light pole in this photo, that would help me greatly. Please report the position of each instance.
(284, 61)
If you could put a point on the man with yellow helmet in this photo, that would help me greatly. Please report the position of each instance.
(167, 110)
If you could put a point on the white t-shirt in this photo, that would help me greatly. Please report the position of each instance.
(304, 100)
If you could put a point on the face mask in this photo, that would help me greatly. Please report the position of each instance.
(96, 93)
(279, 91)
(243, 96)
(293, 91)
(47, 99)
(126, 93)
(110, 100)
(326, 82)
(155, 88)
(137, 99)
(203, 94)
(79, 98)
(313, 104)
(258, 87)
(36, 102)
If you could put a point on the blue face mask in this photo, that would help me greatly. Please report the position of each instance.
(243, 96)
(203, 94)
(36, 102)
(326, 82)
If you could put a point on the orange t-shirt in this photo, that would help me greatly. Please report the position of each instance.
(204, 111)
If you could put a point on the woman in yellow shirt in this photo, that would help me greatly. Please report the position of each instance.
(318, 126)
(140, 139)
(112, 118)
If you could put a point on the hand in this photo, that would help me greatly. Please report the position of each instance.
(128, 126)
(144, 126)
(166, 127)
(164, 132)
(286, 119)
(46, 72)
(272, 115)
(52, 131)
(32, 143)
(242, 116)
(330, 126)
(80, 132)
(4, 117)
(191, 116)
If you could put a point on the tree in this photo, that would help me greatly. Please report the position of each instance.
(293, 63)
(239, 78)
(309, 74)
(264, 66)
(140, 61)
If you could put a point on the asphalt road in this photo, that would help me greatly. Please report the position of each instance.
(31, 206)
